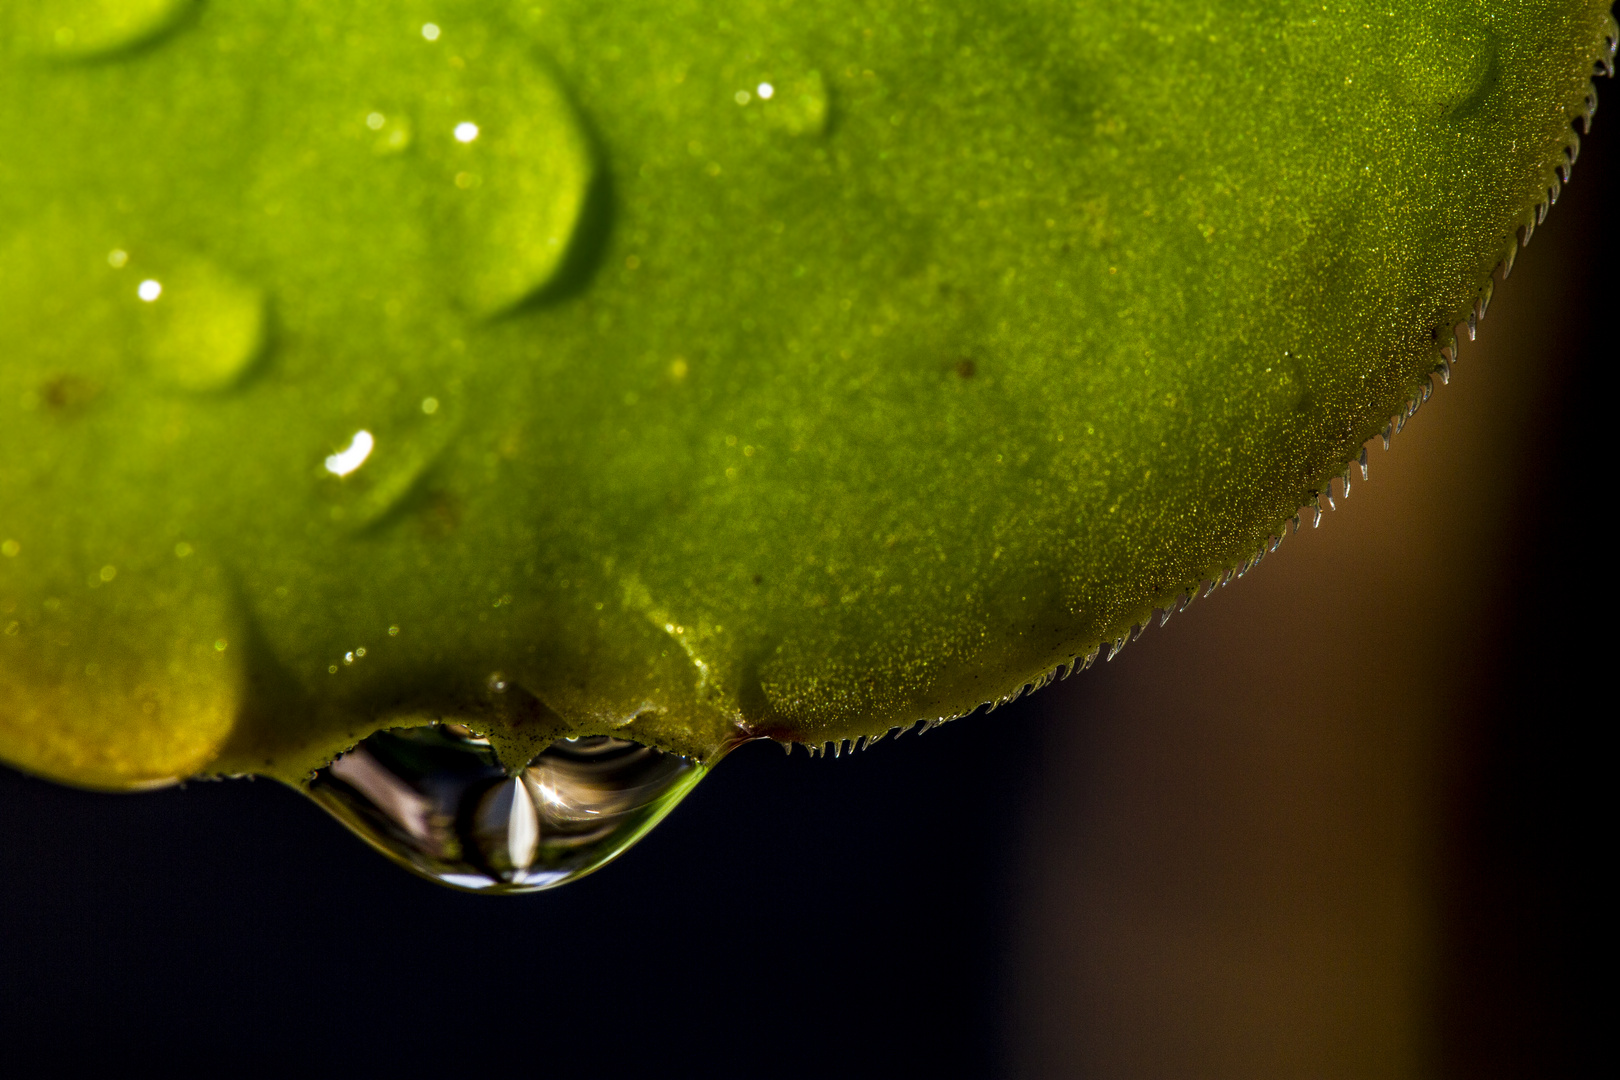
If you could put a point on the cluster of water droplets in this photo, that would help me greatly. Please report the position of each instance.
(438, 801)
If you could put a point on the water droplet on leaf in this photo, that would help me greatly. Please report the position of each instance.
(797, 105)
(1448, 69)
(517, 169)
(201, 329)
(81, 29)
(438, 801)
(375, 469)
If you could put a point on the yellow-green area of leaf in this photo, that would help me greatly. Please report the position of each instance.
(687, 371)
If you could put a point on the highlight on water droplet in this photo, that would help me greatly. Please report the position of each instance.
(430, 31)
(437, 801)
(349, 459)
(149, 290)
(466, 131)
(84, 29)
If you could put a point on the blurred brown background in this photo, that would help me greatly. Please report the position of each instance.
(1338, 820)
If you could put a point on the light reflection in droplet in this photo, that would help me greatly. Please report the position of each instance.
(439, 801)
(346, 461)
(430, 31)
(375, 121)
(766, 91)
(149, 290)
(466, 131)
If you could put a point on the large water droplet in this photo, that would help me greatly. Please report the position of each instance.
(514, 162)
(437, 801)
(201, 328)
(79, 29)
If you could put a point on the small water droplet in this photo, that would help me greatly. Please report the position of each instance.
(798, 105)
(438, 801)
(201, 330)
(517, 168)
(1448, 68)
(83, 29)
(379, 466)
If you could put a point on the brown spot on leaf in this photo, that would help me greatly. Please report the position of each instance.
(440, 514)
(67, 395)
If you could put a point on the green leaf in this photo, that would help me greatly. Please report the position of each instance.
(697, 371)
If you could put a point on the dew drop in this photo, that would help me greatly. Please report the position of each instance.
(516, 170)
(366, 474)
(200, 329)
(84, 29)
(797, 105)
(1448, 68)
(437, 801)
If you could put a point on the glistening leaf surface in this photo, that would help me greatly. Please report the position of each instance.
(696, 369)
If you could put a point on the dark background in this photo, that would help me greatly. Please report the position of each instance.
(862, 916)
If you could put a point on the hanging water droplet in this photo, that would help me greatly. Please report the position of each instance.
(516, 168)
(200, 329)
(82, 29)
(437, 801)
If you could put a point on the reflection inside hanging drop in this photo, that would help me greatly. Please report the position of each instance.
(438, 800)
